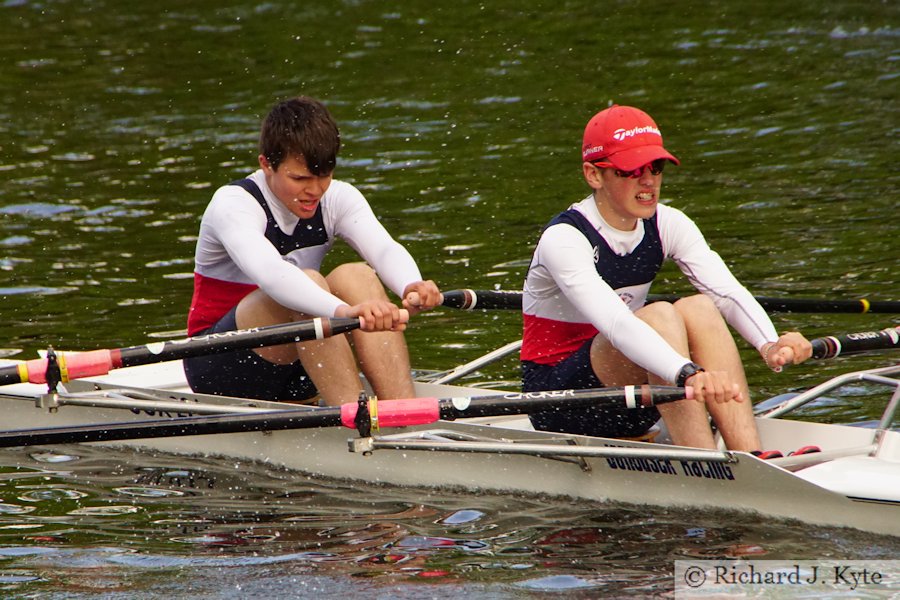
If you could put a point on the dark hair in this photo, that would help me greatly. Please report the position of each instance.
(304, 128)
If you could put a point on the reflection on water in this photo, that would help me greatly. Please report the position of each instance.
(127, 524)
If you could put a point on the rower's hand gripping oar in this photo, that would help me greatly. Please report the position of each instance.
(467, 299)
(366, 416)
(59, 367)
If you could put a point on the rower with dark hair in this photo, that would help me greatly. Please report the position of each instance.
(258, 259)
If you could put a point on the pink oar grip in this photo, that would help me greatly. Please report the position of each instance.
(71, 366)
(87, 364)
(397, 413)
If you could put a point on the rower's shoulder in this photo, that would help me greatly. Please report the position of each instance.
(669, 216)
(665, 210)
(340, 187)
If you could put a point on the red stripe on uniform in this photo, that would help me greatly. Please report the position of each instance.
(547, 342)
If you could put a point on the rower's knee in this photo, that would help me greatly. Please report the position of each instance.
(668, 323)
(318, 278)
(660, 315)
(697, 308)
(355, 282)
(352, 270)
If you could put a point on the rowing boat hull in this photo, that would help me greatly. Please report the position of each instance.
(660, 479)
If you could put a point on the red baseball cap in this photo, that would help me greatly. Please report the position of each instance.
(625, 136)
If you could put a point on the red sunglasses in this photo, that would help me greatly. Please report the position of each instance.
(656, 167)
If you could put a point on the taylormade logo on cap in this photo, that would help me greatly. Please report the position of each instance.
(621, 134)
(625, 136)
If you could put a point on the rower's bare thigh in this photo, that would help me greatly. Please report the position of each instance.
(258, 309)
(614, 368)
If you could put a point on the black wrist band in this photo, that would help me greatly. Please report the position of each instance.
(686, 372)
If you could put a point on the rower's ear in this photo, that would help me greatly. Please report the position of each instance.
(592, 175)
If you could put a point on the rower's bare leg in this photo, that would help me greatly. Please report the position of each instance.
(712, 345)
(687, 421)
(329, 362)
(382, 355)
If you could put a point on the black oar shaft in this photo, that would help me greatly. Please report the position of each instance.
(228, 341)
(99, 362)
(512, 300)
(626, 397)
(854, 343)
(488, 299)
(809, 305)
(387, 413)
(182, 426)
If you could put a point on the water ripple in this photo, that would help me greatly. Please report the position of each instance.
(105, 511)
(37, 209)
(52, 494)
(147, 492)
(14, 509)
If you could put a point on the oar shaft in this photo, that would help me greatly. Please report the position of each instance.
(99, 362)
(627, 397)
(182, 426)
(467, 299)
(854, 343)
(419, 411)
(809, 305)
(386, 413)
(487, 299)
(228, 341)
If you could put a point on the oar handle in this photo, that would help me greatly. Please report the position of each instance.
(853, 343)
(100, 362)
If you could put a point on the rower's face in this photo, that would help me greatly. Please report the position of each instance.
(295, 185)
(624, 200)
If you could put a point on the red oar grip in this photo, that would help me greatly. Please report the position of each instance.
(396, 413)
(71, 366)
(88, 364)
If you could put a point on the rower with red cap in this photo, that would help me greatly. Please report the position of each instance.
(586, 320)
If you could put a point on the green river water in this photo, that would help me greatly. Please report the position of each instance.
(461, 122)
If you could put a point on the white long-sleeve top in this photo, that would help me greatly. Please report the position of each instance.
(566, 301)
(233, 256)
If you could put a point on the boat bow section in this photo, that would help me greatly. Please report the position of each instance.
(862, 478)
